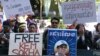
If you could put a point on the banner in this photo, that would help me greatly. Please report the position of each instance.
(25, 44)
(62, 42)
(83, 11)
(13, 7)
(1, 16)
(98, 13)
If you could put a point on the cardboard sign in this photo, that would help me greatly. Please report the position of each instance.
(1, 16)
(13, 7)
(62, 42)
(83, 11)
(25, 44)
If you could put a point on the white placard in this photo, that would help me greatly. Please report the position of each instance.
(83, 11)
(25, 44)
(13, 7)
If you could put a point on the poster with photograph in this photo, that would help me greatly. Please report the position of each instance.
(62, 42)
(25, 44)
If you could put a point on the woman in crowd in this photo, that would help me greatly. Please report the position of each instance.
(32, 27)
(96, 37)
(84, 37)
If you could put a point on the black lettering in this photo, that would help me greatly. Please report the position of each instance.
(36, 39)
(17, 37)
(30, 37)
(24, 38)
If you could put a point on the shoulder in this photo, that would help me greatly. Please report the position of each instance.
(88, 32)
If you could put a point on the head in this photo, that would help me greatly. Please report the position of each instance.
(63, 49)
(98, 27)
(6, 28)
(55, 22)
(22, 27)
(12, 22)
(16, 16)
(63, 46)
(80, 28)
(32, 27)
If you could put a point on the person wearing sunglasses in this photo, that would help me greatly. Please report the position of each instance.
(54, 24)
(62, 50)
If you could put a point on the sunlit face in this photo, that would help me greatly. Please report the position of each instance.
(32, 28)
(22, 29)
(54, 23)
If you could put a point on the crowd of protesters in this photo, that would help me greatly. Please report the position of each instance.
(85, 39)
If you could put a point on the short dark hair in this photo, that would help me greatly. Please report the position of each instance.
(97, 27)
(78, 26)
(33, 24)
(55, 18)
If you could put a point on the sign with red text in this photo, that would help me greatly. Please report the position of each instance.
(25, 44)
(83, 11)
(13, 7)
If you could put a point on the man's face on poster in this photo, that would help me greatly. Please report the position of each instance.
(62, 49)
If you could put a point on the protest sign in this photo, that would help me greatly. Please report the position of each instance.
(1, 16)
(62, 42)
(13, 7)
(25, 44)
(83, 11)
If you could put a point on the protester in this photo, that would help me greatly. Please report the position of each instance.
(84, 37)
(96, 37)
(16, 23)
(6, 27)
(54, 24)
(12, 22)
(22, 28)
(32, 28)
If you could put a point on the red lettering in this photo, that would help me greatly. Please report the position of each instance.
(26, 49)
(15, 51)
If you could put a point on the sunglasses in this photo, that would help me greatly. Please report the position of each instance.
(54, 22)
